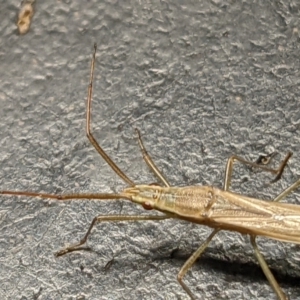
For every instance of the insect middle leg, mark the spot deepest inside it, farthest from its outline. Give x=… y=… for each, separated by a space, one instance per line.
x=230 y=162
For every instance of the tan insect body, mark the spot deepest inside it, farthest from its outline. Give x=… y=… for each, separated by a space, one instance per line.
x=222 y=209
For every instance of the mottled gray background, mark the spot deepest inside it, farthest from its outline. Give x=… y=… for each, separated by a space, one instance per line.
x=201 y=80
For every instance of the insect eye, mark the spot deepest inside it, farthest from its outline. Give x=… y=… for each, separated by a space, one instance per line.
x=147 y=206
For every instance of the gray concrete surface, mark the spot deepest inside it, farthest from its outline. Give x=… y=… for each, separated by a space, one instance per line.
x=201 y=80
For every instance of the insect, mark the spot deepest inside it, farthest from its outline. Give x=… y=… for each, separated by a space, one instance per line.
x=220 y=209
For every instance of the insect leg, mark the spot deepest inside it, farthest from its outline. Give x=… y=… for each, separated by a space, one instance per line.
x=99 y=219
x=88 y=127
x=259 y=256
x=188 y=264
x=229 y=168
x=274 y=284
x=149 y=160
x=287 y=191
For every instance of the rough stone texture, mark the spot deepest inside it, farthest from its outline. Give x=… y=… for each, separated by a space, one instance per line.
x=201 y=80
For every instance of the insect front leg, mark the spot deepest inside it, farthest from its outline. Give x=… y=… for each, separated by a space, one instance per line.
x=149 y=160
x=89 y=134
x=98 y=219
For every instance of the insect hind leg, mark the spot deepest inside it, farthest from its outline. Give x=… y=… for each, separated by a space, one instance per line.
x=191 y=260
x=229 y=168
x=270 y=277
x=287 y=191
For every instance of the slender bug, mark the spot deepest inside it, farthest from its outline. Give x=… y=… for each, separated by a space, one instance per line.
x=220 y=209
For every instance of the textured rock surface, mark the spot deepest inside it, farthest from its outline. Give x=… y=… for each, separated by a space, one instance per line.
x=201 y=81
